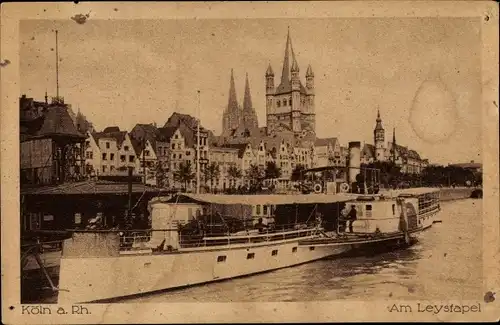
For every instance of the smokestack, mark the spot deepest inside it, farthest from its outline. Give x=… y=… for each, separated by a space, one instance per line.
x=354 y=161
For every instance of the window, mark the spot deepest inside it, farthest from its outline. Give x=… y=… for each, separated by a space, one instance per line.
x=178 y=146
x=311 y=248
x=174 y=156
x=257 y=209
x=180 y=156
x=123 y=158
x=173 y=146
x=131 y=158
x=368 y=207
x=250 y=256
x=176 y=136
x=221 y=259
x=125 y=148
x=294 y=250
x=111 y=156
x=279 y=103
x=104 y=169
x=264 y=207
x=274 y=252
x=107 y=145
x=104 y=156
x=112 y=168
x=188 y=153
x=393 y=209
x=90 y=154
x=147 y=153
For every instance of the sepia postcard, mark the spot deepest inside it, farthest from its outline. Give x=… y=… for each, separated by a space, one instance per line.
x=243 y=162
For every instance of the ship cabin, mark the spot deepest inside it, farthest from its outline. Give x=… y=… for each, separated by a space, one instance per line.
x=380 y=214
x=208 y=220
x=428 y=199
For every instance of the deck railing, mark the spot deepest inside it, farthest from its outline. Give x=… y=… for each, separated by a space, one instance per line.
x=137 y=240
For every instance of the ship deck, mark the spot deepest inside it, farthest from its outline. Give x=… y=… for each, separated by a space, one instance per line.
x=356 y=238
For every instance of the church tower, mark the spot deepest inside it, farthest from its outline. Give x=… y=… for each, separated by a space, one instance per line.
x=309 y=105
x=296 y=100
x=270 y=112
x=290 y=106
x=232 y=115
x=249 y=117
x=379 y=137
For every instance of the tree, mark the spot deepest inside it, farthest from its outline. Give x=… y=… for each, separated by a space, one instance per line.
x=161 y=175
x=255 y=174
x=211 y=172
x=272 y=171
x=234 y=173
x=184 y=173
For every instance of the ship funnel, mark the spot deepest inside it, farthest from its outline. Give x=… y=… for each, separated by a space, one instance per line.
x=354 y=161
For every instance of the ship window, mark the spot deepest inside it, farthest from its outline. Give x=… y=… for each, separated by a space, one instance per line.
x=250 y=256
x=221 y=258
x=274 y=252
x=294 y=250
x=311 y=248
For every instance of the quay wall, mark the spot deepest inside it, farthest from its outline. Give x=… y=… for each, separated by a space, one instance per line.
x=457 y=193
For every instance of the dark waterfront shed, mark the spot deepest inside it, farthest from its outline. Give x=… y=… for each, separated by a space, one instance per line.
x=71 y=205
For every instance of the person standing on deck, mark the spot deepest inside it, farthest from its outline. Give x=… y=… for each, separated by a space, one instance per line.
x=260 y=226
x=352 y=216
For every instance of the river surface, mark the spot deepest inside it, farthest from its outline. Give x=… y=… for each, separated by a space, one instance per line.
x=446 y=264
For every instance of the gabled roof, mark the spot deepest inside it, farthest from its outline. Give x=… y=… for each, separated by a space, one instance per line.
x=166 y=133
x=55 y=122
x=118 y=136
x=325 y=142
x=242 y=147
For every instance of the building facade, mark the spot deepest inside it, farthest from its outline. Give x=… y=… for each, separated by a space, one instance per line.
x=407 y=159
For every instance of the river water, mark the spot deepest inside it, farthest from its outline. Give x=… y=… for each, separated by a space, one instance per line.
x=445 y=264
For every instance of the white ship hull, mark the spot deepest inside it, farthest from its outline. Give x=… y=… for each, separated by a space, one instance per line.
x=91 y=279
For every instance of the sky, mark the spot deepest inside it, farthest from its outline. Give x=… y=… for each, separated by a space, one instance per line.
x=423 y=74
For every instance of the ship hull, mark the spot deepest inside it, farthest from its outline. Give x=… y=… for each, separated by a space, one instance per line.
x=103 y=278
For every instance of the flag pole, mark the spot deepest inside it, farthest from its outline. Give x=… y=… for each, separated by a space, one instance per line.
x=198 y=149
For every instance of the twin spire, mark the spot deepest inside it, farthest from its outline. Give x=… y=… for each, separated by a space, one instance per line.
x=232 y=104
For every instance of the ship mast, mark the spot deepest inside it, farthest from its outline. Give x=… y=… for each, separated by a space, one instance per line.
x=57 y=68
x=198 y=149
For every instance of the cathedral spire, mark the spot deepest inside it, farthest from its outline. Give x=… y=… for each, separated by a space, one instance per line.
x=285 y=74
x=247 y=100
x=378 y=126
x=232 y=104
x=295 y=66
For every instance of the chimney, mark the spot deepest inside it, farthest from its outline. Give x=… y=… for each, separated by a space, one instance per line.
x=354 y=161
